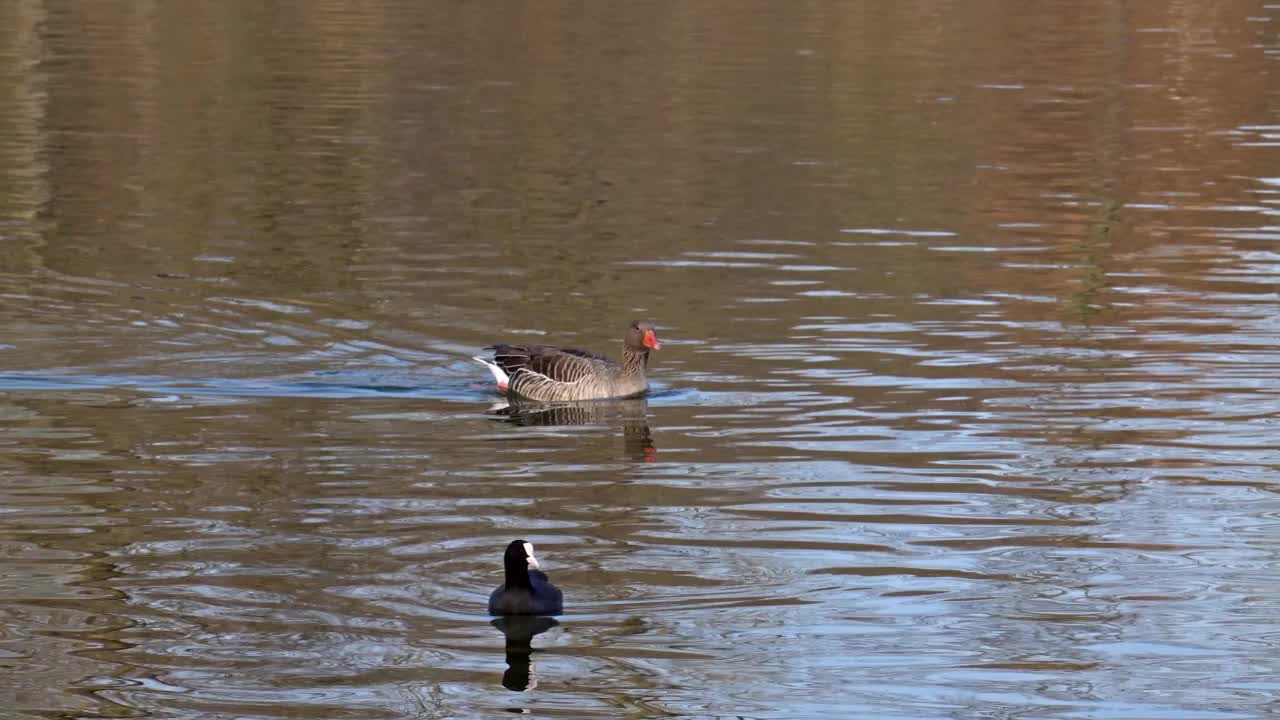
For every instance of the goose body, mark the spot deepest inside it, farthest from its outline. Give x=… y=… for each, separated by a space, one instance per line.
x=548 y=373
x=526 y=590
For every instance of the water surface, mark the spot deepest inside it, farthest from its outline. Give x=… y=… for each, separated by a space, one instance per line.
x=966 y=405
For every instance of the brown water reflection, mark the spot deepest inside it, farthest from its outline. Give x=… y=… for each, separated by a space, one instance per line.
x=966 y=405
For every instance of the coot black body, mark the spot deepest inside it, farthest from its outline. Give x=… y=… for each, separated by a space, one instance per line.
x=527 y=590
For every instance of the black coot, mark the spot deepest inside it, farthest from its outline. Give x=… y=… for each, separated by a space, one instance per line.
x=527 y=590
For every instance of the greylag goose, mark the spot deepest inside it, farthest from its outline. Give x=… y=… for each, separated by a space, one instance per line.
x=546 y=373
x=526 y=590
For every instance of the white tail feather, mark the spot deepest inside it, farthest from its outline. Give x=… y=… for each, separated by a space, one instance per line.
x=499 y=374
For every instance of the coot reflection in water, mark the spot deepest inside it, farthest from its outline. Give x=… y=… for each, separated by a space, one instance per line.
x=631 y=415
x=519 y=631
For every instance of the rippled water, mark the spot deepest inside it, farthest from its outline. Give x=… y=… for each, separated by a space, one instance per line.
x=967 y=403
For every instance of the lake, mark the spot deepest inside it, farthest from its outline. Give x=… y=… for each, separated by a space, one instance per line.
x=967 y=405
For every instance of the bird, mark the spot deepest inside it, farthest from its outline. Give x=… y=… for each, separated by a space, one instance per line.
x=546 y=373
x=527 y=590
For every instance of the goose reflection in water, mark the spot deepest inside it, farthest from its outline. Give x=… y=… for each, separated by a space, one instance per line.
x=632 y=414
x=519 y=630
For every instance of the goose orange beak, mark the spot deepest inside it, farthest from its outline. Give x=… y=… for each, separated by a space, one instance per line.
x=651 y=340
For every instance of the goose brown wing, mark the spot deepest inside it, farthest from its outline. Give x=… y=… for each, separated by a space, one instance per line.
x=567 y=366
x=583 y=354
x=511 y=357
x=554 y=363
